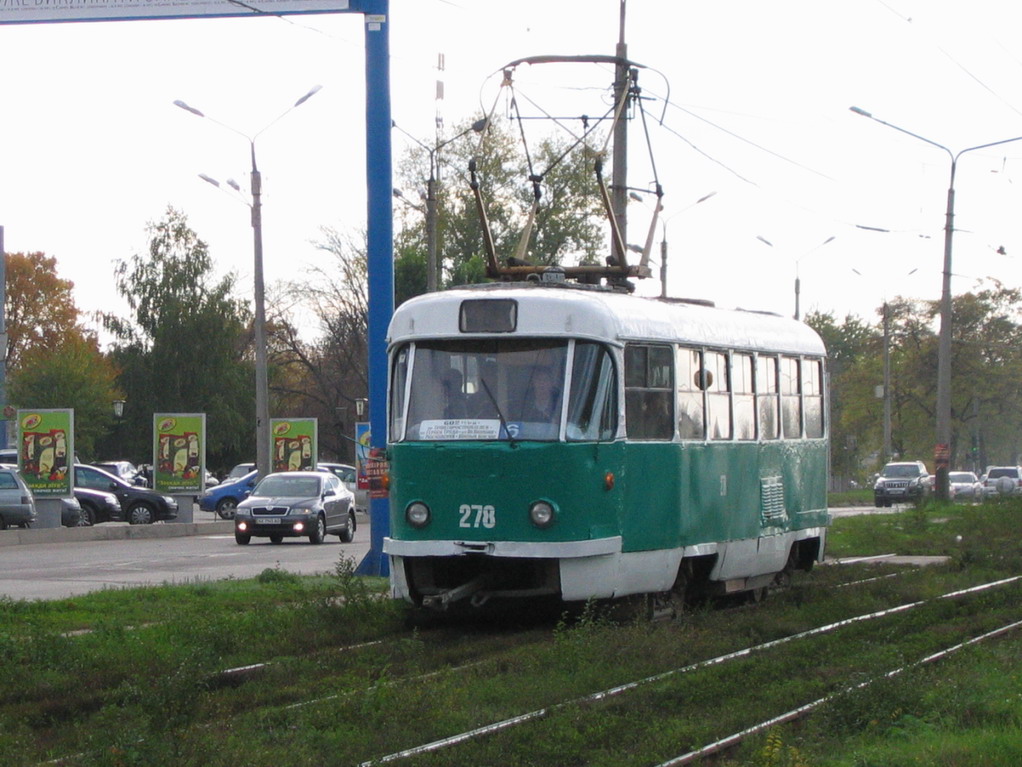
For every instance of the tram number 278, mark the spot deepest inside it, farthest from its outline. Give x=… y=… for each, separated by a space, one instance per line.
x=477 y=515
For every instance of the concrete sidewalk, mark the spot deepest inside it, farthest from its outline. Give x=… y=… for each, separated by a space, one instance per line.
x=114 y=531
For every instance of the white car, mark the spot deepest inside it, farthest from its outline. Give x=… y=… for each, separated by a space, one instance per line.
x=1002 y=480
x=965 y=486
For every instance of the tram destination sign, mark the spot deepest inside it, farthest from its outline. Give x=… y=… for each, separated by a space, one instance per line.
x=43 y=11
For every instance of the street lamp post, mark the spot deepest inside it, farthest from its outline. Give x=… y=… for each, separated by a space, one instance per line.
x=262 y=393
x=663 y=233
x=430 y=211
x=942 y=452
x=798 y=281
x=119 y=415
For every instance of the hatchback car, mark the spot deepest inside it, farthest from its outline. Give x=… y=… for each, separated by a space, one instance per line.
x=17 y=506
x=964 y=486
x=225 y=497
x=139 y=506
x=296 y=504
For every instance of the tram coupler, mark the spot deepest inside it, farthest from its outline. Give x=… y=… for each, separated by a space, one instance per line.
x=444 y=599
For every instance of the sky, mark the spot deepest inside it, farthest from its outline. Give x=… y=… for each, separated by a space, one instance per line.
x=92 y=147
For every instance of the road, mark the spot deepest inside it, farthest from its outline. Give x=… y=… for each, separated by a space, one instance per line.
x=59 y=570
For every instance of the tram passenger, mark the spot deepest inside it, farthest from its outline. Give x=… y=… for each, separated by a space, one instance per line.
x=455 y=404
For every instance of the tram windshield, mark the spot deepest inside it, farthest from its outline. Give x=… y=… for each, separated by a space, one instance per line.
x=492 y=389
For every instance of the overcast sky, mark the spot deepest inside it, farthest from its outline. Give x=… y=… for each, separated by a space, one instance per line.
x=92 y=148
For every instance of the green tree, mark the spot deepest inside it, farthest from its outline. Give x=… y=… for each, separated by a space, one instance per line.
x=567 y=228
x=74 y=375
x=187 y=346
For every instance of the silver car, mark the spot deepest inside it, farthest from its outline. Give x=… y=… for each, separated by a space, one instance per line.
x=17 y=506
x=296 y=504
x=965 y=486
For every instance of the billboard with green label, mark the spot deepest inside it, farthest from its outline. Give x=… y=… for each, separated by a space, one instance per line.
x=179 y=453
x=45 y=450
x=295 y=444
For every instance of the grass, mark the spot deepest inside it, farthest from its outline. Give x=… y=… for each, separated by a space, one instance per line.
x=136 y=676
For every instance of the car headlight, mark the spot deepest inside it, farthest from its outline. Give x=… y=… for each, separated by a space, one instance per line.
x=168 y=500
x=417 y=514
x=541 y=514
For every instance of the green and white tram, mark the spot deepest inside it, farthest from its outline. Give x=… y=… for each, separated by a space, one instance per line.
x=577 y=442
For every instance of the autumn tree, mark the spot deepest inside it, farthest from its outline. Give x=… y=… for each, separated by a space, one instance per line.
x=39 y=307
x=187 y=346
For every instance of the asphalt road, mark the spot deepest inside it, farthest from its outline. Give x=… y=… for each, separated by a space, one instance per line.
x=71 y=567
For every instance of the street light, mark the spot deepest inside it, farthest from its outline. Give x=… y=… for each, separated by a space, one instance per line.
x=888 y=448
x=942 y=452
x=433 y=262
x=262 y=384
x=798 y=282
x=119 y=415
x=663 y=235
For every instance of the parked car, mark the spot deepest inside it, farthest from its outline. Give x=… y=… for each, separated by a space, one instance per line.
x=70 y=512
x=349 y=476
x=17 y=506
x=293 y=504
x=225 y=497
x=97 y=506
x=1002 y=480
x=901 y=481
x=139 y=506
x=965 y=486
x=239 y=471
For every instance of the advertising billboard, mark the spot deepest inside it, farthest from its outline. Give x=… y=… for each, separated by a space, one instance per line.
x=46 y=450
x=179 y=453
x=294 y=444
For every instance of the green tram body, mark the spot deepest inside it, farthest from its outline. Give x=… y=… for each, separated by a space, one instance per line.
x=638 y=507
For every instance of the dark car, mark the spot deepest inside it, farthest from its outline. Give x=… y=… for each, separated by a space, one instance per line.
x=17 y=506
x=296 y=504
x=901 y=481
x=139 y=506
x=97 y=506
x=71 y=512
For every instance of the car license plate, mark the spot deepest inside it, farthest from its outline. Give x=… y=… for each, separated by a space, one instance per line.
x=268 y=521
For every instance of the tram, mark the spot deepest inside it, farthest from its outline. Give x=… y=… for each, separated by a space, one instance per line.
x=577 y=442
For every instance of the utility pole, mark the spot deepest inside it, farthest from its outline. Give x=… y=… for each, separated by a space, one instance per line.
x=619 y=193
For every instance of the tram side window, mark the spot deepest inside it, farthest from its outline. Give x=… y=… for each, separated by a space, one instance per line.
x=649 y=391
x=791 y=398
x=812 y=396
x=592 y=403
x=399 y=376
x=767 y=406
x=690 y=394
x=744 y=399
x=718 y=395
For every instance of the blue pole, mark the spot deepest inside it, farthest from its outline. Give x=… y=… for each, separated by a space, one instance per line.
x=380 y=255
x=3 y=340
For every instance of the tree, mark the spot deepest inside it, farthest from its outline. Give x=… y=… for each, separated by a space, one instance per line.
x=323 y=379
x=567 y=227
x=187 y=346
x=39 y=306
x=74 y=375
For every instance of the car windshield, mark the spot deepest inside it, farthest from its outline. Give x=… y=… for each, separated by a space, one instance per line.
x=291 y=487
x=961 y=476
x=1004 y=472
x=898 y=471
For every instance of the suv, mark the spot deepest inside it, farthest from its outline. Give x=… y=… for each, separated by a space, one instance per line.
x=139 y=506
x=906 y=481
x=1002 y=480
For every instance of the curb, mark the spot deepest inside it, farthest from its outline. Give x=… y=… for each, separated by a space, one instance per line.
x=114 y=532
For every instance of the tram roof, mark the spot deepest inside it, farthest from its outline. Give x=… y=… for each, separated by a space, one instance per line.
x=558 y=311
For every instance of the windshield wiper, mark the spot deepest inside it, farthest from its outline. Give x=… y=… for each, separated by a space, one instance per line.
x=500 y=415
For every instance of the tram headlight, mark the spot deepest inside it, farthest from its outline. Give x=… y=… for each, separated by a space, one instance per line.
x=417 y=513
x=541 y=514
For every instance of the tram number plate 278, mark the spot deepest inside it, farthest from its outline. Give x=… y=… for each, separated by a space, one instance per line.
x=477 y=515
